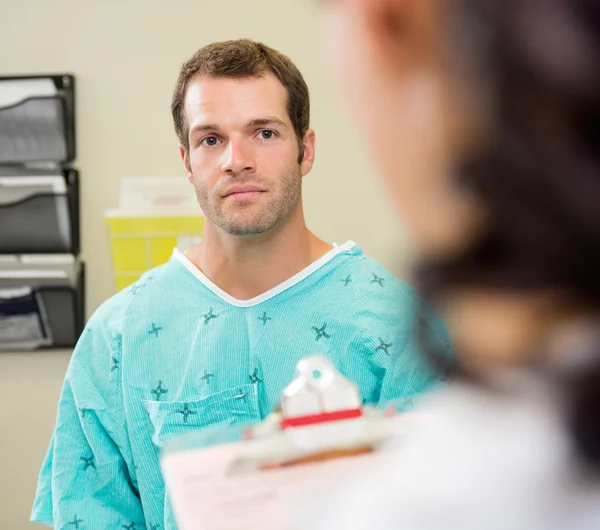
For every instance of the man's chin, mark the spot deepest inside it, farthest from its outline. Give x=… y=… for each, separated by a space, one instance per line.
x=244 y=227
x=246 y=231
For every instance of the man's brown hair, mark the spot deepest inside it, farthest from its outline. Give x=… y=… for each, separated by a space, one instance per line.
x=238 y=59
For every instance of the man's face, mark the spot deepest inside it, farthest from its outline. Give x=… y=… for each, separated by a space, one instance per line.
x=243 y=152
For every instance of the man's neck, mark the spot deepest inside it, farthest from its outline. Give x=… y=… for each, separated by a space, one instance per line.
x=246 y=267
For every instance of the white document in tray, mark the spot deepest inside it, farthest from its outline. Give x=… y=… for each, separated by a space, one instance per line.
x=13 y=189
x=206 y=496
x=33 y=269
x=13 y=91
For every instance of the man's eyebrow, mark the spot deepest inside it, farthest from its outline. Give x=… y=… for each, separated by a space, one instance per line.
x=263 y=122
x=203 y=127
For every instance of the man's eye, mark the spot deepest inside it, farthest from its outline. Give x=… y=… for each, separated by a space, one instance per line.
x=266 y=134
x=210 y=141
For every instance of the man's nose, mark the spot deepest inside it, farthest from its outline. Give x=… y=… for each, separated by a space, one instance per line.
x=238 y=158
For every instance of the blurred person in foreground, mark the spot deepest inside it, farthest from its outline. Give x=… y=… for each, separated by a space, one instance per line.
x=484 y=119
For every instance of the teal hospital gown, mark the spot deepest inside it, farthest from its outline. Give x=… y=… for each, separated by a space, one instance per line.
x=174 y=353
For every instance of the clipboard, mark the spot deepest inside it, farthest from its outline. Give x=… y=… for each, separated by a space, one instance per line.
x=321 y=430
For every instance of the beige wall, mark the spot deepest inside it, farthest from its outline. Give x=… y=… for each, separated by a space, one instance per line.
x=125 y=55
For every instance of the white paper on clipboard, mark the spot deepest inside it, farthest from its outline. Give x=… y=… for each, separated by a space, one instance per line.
x=320 y=433
x=205 y=496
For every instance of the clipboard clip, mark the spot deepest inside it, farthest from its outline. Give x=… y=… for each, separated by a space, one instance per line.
x=320 y=417
x=318 y=394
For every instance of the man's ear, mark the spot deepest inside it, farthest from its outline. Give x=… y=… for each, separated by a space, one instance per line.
x=308 y=150
x=186 y=161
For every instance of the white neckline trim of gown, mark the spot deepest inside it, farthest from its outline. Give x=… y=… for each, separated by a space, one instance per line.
x=304 y=273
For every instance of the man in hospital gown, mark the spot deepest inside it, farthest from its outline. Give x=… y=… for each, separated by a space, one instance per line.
x=211 y=338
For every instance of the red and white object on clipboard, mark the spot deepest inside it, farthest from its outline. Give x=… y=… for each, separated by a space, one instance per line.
x=321 y=430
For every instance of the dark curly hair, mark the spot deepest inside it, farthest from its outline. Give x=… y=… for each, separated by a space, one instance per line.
x=538 y=173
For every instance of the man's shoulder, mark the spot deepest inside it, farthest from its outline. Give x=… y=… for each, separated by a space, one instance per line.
x=383 y=299
x=372 y=280
x=111 y=313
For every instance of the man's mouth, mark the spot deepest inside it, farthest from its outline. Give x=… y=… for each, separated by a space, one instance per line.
x=243 y=193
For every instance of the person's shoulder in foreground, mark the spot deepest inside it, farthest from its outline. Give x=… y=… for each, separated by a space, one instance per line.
x=513 y=434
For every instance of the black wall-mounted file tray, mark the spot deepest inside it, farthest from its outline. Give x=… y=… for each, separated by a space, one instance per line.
x=62 y=307
x=36 y=222
x=41 y=276
x=37 y=119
